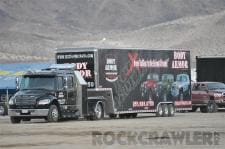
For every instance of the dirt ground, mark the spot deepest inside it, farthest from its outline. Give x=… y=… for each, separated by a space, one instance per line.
x=185 y=130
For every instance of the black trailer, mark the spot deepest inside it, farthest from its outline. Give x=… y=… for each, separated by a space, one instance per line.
x=134 y=80
x=210 y=68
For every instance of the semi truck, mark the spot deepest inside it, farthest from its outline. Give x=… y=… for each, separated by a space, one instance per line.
x=210 y=68
x=93 y=83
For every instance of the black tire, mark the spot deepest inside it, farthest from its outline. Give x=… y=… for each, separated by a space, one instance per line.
x=165 y=110
x=171 y=110
x=159 y=111
x=211 y=106
x=194 y=109
x=53 y=114
x=15 y=120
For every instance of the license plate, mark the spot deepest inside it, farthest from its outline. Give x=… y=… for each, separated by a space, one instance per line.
x=24 y=111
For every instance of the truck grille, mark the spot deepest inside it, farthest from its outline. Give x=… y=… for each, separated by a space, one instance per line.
x=25 y=100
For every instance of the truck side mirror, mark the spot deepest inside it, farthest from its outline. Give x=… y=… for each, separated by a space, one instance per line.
x=17 y=83
x=65 y=86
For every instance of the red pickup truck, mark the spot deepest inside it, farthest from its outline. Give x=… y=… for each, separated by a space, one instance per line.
x=209 y=96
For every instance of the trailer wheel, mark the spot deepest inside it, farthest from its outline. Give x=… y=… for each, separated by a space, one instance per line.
x=15 y=120
x=159 y=111
x=165 y=110
x=171 y=110
x=53 y=114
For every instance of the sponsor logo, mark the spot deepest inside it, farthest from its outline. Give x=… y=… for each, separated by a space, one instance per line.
x=111 y=69
x=144 y=63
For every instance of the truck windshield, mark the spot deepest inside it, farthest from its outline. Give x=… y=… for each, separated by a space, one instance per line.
x=38 y=82
x=215 y=86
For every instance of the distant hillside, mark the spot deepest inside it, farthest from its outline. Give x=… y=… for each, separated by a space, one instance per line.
x=30 y=30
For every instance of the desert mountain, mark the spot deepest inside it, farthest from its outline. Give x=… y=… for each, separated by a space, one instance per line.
x=30 y=30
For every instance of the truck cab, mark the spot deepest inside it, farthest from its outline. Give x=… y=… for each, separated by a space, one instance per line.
x=54 y=93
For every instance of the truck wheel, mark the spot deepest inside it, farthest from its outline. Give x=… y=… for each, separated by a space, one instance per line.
x=53 y=114
x=15 y=120
x=159 y=111
x=165 y=110
x=171 y=110
x=211 y=106
x=112 y=116
x=99 y=112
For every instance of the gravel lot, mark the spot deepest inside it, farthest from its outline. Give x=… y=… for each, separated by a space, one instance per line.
x=198 y=130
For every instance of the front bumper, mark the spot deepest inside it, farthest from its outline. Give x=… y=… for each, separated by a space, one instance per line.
x=28 y=112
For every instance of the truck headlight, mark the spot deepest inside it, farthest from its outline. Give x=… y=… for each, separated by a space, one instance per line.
x=44 y=102
x=11 y=101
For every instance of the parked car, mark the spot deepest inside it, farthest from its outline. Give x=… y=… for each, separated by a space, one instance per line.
x=148 y=87
x=164 y=87
x=209 y=96
x=181 y=87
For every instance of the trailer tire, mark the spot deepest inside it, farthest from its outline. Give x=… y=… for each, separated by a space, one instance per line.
x=171 y=110
x=165 y=110
x=53 y=114
x=159 y=111
x=15 y=120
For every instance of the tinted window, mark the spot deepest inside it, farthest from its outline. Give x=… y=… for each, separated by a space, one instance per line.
x=60 y=83
x=70 y=82
x=215 y=86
